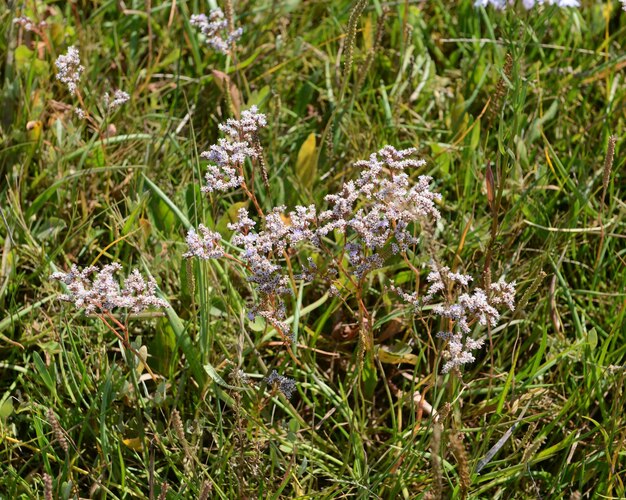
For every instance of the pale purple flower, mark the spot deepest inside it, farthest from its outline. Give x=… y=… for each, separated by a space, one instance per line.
x=246 y=127
x=458 y=351
x=440 y=276
x=28 y=24
x=475 y=306
x=528 y=4
x=244 y=223
x=102 y=292
x=69 y=69
x=215 y=29
x=479 y=306
x=119 y=97
x=303 y=226
x=259 y=249
x=309 y=270
x=227 y=153
x=410 y=298
x=205 y=245
x=388 y=203
x=503 y=293
x=230 y=153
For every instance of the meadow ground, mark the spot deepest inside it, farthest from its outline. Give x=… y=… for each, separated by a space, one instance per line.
x=315 y=378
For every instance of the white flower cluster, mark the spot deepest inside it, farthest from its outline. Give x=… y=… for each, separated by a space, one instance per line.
x=215 y=29
x=261 y=249
x=102 y=292
x=478 y=306
x=205 y=245
x=388 y=203
x=119 y=97
x=375 y=211
x=528 y=4
x=229 y=154
x=69 y=69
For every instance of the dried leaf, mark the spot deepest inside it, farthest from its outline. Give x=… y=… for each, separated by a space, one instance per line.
x=306 y=164
x=133 y=443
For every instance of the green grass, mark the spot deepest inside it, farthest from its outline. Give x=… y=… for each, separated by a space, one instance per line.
x=69 y=194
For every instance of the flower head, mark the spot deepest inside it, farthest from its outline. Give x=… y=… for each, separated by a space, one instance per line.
x=98 y=291
x=528 y=4
x=205 y=245
x=28 y=24
x=388 y=203
x=285 y=385
x=230 y=153
x=69 y=69
x=246 y=127
x=119 y=98
x=215 y=29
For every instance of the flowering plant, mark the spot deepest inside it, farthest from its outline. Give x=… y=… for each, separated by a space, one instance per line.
x=369 y=221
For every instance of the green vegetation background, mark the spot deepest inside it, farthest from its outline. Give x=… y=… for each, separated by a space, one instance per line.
x=553 y=373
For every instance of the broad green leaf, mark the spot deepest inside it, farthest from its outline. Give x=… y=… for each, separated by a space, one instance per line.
x=164 y=217
x=258 y=97
x=25 y=59
x=6 y=409
x=475 y=135
x=369 y=376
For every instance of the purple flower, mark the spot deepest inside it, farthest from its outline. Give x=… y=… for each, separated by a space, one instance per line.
x=102 y=292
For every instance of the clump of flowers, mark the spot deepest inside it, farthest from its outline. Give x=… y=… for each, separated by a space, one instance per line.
x=285 y=385
x=377 y=216
x=475 y=307
x=230 y=153
x=205 y=245
x=388 y=203
x=528 y=4
x=98 y=291
x=29 y=25
x=215 y=29
x=69 y=69
x=119 y=97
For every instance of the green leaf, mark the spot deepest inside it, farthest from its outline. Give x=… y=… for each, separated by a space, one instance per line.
x=25 y=59
x=210 y=369
x=475 y=135
x=42 y=369
x=369 y=376
x=164 y=345
x=592 y=338
x=164 y=217
x=6 y=409
x=258 y=97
